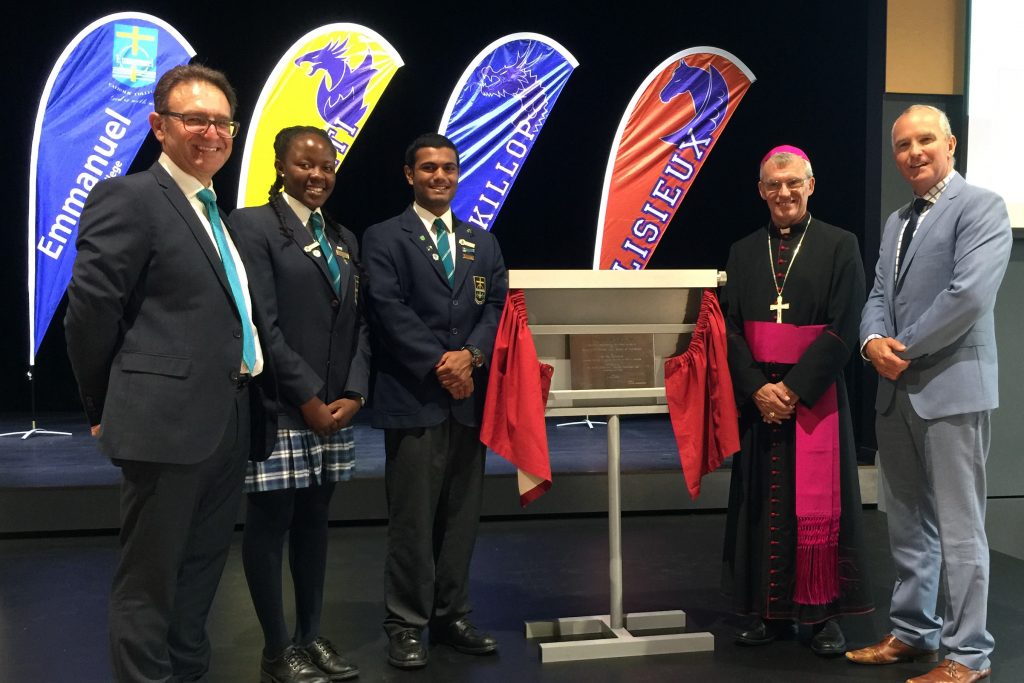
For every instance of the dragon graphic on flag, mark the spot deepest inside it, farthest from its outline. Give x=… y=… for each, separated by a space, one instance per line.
x=340 y=98
x=331 y=78
x=494 y=115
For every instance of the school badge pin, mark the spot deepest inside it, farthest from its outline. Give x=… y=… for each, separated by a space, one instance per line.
x=479 y=289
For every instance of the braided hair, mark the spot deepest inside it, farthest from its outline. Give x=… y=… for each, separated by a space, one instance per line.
x=282 y=141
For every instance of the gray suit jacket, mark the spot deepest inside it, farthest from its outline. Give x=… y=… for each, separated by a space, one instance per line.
x=153 y=335
x=941 y=306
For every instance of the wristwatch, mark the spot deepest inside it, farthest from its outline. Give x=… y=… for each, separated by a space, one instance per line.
x=355 y=396
x=478 y=357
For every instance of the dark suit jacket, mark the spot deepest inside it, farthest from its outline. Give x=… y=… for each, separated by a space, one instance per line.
x=941 y=306
x=153 y=335
x=320 y=340
x=417 y=317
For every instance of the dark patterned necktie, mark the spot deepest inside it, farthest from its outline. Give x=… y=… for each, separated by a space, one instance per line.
x=444 y=250
x=920 y=206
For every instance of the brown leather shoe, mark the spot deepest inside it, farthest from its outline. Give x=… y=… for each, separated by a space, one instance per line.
x=951 y=672
x=891 y=650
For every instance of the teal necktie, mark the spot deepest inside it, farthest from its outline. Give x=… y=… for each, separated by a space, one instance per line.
x=317 y=224
x=444 y=250
x=209 y=200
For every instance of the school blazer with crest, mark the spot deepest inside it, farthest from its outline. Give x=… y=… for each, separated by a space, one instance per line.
x=416 y=317
x=319 y=339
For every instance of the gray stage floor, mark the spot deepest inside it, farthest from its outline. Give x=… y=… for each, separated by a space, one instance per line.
x=48 y=461
x=53 y=606
x=61 y=483
x=53 y=588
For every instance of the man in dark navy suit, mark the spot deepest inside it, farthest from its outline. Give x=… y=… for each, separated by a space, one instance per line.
x=162 y=337
x=436 y=288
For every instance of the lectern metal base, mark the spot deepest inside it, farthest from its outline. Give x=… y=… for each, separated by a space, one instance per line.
x=613 y=642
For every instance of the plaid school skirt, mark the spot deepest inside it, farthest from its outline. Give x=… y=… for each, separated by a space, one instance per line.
x=301 y=459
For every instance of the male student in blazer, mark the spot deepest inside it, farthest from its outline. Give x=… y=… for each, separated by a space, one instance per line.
x=928 y=330
x=163 y=341
x=436 y=289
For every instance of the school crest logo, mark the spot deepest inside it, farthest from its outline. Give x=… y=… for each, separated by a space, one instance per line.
x=135 y=50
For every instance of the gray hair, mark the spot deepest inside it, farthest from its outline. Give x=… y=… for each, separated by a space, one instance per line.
x=784 y=159
x=944 y=126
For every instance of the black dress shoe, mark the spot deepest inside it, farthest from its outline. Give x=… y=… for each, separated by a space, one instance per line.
x=292 y=666
x=762 y=632
x=406 y=651
x=327 y=659
x=464 y=637
x=829 y=640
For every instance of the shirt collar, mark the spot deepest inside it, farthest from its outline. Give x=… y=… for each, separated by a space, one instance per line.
x=302 y=211
x=189 y=185
x=933 y=194
x=794 y=230
x=428 y=218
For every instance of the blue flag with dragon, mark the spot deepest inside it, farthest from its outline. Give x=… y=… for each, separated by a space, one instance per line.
x=495 y=114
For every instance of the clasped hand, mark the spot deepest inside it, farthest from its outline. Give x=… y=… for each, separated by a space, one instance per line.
x=455 y=373
x=326 y=419
x=776 y=402
x=882 y=351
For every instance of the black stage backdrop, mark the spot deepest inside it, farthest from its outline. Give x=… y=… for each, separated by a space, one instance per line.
x=820 y=82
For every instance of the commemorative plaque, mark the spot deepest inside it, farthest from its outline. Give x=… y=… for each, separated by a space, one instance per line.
x=611 y=361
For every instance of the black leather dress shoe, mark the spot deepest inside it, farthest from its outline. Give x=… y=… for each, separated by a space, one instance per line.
x=829 y=640
x=762 y=632
x=292 y=666
x=406 y=651
x=464 y=637
x=322 y=653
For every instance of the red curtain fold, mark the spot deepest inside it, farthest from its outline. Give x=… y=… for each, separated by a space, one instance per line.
x=513 y=423
x=698 y=389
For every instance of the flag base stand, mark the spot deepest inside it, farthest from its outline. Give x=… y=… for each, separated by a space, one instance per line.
x=585 y=638
x=585 y=421
x=35 y=431
x=613 y=633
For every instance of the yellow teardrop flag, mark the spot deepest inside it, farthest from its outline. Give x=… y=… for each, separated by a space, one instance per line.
x=331 y=78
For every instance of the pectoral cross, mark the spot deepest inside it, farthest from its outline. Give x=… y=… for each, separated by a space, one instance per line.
x=778 y=307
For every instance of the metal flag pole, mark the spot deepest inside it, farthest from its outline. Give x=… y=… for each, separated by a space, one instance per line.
x=34 y=431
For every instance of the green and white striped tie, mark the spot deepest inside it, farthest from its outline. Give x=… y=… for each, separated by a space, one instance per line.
x=444 y=250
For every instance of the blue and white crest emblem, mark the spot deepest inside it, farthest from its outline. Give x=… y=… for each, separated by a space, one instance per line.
x=135 y=50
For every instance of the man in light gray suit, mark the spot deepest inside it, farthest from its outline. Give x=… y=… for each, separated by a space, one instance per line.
x=928 y=331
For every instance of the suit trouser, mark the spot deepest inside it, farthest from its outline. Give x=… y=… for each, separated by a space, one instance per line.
x=935 y=487
x=176 y=528
x=434 y=480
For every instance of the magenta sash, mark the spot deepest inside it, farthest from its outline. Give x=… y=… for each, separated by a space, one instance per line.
x=818 y=504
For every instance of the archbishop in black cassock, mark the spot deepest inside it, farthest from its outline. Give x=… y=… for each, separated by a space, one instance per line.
x=799 y=271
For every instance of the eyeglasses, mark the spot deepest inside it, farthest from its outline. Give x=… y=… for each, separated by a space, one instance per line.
x=776 y=185
x=198 y=124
